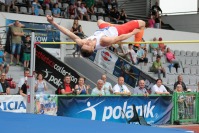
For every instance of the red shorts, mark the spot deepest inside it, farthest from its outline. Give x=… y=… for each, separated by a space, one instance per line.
x=123 y=28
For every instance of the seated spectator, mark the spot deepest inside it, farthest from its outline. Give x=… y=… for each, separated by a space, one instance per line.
x=81 y=88
x=22 y=91
x=24 y=87
x=114 y=15
x=107 y=86
x=66 y=87
x=47 y=3
x=154 y=48
x=151 y=22
x=90 y=6
x=83 y=12
x=56 y=11
x=77 y=29
x=122 y=51
x=158 y=68
x=108 y=6
x=161 y=46
x=171 y=59
x=140 y=90
x=26 y=51
x=123 y=16
x=120 y=88
x=180 y=100
x=158 y=88
x=10 y=5
x=157 y=22
x=114 y=3
x=141 y=56
x=35 y=7
x=180 y=81
x=72 y=12
x=131 y=56
x=90 y=10
x=3 y=65
x=40 y=84
x=4 y=87
x=99 y=90
x=156 y=9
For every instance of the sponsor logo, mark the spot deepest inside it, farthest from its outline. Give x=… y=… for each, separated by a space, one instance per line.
x=106 y=56
x=12 y=105
x=114 y=112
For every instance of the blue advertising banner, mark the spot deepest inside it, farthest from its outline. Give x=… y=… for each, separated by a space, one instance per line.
x=157 y=109
x=44 y=32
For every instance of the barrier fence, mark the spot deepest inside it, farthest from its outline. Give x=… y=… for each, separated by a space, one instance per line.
x=176 y=108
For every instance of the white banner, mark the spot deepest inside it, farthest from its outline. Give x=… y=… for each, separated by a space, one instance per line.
x=106 y=60
x=13 y=103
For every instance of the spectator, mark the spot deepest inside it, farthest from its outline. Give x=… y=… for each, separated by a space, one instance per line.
x=122 y=51
x=107 y=86
x=158 y=88
x=114 y=3
x=47 y=4
x=120 y=88
x=114 y=15
x=81 y=88
x=181 y=101
x=108 y=6
x=35 y=7
x=131 y=55
x=23 y=91
x=17 y=33
x=90 y=6
x=141 y=56
x=123 y=16
x=4 y=87
x=158 y=68
x=90 y=10
x=77 y=29
x=72 y=12
x=83 y=12
x=40 y=84
x=154 y=48
x=27 y=51
x=66 y=87
x=140 y=90
x=56 y=11
x=157 y=22
x=171 y=59
x=10 y=5
x=151 y=22
x=180 y=81
x=156 y=9
x=161 y=46
x=99 y=90
x=3 y=65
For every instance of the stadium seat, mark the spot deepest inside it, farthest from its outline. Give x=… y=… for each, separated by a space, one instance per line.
x=187 y=70
x=95 y=9
x=193 y=71
x=65 y=5
x=171 y=80
x=177 y=53
x=194 y=61
x=188 y=61
x=59 y=5
x=100 y=17
x=194 y=53
x=173 y=70
x=180 y=71
x=41 y=12
x=192 y=80
x=197 y=71
x=48 y=12
x=19 y=1
x=186 y=80
x=182 y=59
x=198 y=53
x=93 y=18
x=165 y=81
x=145 y=69
x=29 y=10
x=23 y=10
x=107 y=19
x=182 y=53
x=188 y=53
x=101 y=10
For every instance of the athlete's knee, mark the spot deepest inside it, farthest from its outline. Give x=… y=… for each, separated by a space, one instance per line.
x=141 y=23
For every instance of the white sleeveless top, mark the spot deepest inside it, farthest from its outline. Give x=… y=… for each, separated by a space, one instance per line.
x=108 y=31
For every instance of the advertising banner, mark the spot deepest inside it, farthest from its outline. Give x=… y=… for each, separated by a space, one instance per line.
x=46 y=104
x=13 y=103
x=157 y=110
x=53 y=69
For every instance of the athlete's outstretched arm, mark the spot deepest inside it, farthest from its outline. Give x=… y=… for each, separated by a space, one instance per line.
x=63 y=30
x=108 y=41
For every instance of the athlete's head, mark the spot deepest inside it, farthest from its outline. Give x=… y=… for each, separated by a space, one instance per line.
x=87 y=48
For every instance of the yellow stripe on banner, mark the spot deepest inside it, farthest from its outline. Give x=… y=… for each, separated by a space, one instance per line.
x=147 y=42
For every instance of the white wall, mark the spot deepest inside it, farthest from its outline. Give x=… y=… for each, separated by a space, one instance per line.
x=183 y=22
x=90 y=27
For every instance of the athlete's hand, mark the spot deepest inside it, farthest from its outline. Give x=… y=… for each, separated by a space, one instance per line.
x=49 y=18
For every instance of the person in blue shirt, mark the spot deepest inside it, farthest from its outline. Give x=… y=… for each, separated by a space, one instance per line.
x=56 y=11
x=35 y=7
x=141 y=56
x=81 y=88
x=3 y=65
